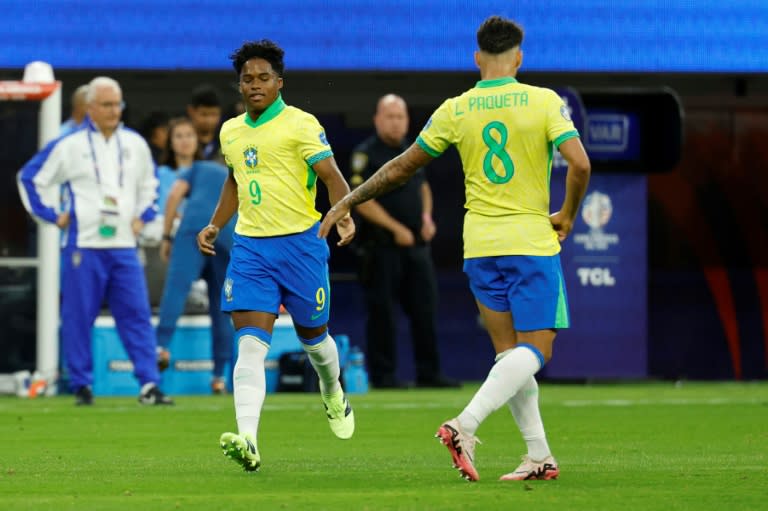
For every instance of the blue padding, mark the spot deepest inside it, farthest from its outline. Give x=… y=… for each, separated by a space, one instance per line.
x=535 y=351
x=257 y=332
x=316 y=340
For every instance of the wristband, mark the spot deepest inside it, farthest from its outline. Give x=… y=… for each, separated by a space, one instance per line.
x=167 y=237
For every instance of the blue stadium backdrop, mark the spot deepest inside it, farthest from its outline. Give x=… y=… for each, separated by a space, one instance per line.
x=424 y=35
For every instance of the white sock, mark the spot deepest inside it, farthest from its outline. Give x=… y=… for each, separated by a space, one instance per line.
x=511 y=371
x=525 y=409
x=250 y=385
x=324 y=357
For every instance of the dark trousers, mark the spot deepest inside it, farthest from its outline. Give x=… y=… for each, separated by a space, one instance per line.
x=406 y=275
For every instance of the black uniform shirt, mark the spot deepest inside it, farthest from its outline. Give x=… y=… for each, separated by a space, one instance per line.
x=403 y=203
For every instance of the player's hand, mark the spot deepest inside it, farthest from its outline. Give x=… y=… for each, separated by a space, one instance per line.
x=206 y=238
x=404 y=237
x=62 y=221
x=562 y=224
x=165 y=250
x=334 y=214
x=428 y=227
x=346 y=229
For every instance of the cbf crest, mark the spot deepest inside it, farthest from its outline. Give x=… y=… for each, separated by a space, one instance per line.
x=251 y=156
x=228 y=283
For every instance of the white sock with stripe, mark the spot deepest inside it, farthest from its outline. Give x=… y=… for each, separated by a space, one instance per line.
x=249 y=384
x=525 y=409
x=511 y=371
x=324 y=357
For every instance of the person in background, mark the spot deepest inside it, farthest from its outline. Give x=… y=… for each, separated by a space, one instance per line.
x=78 y=111
x=204 y=109
x=193 y=184
x=154 y=129
x=108 y=172
x=396 y=262
x=505 y=132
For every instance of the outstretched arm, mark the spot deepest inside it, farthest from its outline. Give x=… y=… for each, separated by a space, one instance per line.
x=330 y=175
x=394 y=173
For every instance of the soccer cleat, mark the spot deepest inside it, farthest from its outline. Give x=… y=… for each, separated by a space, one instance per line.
x=341 y=418
x=242 y=450
x=531 y=470
x=163 y=359
x=152 y=395
x=84 y=396
x=461 y=447
x=218 y=386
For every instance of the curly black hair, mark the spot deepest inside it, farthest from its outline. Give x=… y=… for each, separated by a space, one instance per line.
x=498 y=34
x=263 y=49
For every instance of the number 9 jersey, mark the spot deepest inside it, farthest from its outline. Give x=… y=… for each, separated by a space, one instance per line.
x=506 y=133
x=272 y=160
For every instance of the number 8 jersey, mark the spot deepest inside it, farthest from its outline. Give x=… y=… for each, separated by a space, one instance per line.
x=272 y=160
x=506 y=133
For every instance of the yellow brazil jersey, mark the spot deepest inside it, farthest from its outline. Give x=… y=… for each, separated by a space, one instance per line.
x=272 y=162
x=505 y=132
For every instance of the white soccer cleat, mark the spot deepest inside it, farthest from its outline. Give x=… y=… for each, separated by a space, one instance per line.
x=529 y=469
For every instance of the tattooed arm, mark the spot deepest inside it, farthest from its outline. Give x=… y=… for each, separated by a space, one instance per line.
x=393 y=174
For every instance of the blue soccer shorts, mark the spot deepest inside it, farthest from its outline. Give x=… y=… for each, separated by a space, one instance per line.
x=531 y=287
x=291 y=270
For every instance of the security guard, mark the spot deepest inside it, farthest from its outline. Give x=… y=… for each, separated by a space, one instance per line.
x=395 y=260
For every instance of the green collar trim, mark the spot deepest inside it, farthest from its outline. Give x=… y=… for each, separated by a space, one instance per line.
x=495 y=82
x=267 y=115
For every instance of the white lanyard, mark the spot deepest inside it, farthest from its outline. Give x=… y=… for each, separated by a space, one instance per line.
x=96 y=162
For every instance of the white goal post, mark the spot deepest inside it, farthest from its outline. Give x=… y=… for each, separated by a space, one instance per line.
x=38 y=84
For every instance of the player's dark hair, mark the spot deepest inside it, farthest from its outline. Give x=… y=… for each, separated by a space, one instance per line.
x=204 y=95
x=263 y=49
x=497 y=35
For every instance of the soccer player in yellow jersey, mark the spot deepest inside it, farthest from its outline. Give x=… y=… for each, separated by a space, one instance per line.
x=505 y=133
x=275 y=154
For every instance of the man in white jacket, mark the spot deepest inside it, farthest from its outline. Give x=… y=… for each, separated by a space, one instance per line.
x=108 y=178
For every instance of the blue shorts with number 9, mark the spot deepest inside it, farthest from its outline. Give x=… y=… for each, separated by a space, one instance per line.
x=531 y=287
x=291 y=270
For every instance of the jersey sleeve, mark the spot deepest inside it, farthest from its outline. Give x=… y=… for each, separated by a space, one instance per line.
x=38 y=177
x=559 y=124
x=313 y=144
x=438 y=133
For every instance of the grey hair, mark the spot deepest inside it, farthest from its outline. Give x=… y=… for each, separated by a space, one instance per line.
x=81 y=93
x=101 y=82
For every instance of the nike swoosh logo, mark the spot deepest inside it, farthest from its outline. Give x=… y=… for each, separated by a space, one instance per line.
x=315 y=316
x=231 y=140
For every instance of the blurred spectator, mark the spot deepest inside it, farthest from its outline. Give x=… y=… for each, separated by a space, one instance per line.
x=78 y=112
x=204 y=109
x=109 y=174
x=154 y=129
x=180 y=150
x=197 y=183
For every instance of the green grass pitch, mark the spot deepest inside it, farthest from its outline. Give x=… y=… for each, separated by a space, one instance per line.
x=655 y=446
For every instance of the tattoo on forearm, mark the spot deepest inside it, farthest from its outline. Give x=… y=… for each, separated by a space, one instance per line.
x=391 y=175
